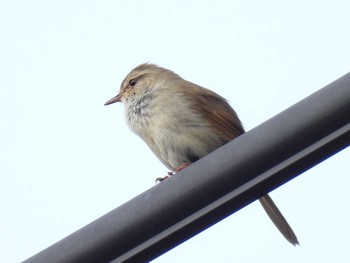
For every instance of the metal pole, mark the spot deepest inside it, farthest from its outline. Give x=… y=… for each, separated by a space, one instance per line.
x=217 y=185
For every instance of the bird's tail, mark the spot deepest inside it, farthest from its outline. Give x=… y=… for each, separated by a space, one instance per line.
x=278 y=219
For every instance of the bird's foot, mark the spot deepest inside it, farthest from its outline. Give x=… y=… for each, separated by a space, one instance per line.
x=162 y=178
x=170 y=174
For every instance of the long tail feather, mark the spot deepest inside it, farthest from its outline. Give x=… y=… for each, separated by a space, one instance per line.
x=278 y=219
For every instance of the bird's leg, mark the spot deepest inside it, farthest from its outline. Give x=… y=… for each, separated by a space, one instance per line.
x=178 y=169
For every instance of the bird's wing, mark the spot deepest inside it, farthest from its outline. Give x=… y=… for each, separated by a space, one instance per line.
x=217 y=110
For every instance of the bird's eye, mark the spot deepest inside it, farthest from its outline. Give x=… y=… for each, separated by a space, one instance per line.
x=132 y=82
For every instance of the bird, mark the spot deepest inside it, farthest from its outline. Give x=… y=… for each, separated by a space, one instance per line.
x=181 y=122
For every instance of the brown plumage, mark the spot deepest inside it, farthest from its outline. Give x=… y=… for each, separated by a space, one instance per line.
x=181 y=122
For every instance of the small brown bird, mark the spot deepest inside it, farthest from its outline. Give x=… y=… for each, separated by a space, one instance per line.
x=182 y=122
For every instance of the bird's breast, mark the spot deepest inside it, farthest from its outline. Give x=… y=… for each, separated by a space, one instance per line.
x=175 y=134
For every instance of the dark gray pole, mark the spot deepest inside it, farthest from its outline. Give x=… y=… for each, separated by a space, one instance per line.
x=217 y=185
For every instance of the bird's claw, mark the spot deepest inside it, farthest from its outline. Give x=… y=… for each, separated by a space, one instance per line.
x=170 y=174
x=162 y=178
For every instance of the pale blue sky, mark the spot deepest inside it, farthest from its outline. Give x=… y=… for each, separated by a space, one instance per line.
x=65 y=159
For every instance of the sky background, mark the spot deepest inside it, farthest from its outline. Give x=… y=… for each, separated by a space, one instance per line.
x=66 y=160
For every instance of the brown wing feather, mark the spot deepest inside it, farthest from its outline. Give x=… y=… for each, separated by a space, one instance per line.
x=217 y=110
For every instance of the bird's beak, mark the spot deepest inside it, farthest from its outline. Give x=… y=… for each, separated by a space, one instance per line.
x=114 y=99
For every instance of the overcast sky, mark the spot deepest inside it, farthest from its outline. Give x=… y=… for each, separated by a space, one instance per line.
x=65 y=159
